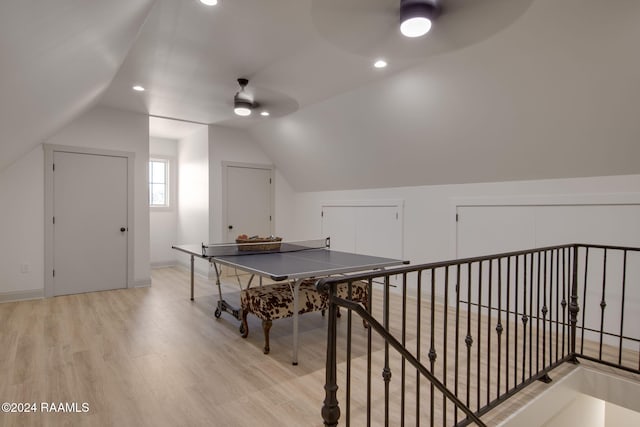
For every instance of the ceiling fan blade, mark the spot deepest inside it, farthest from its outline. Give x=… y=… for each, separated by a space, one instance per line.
x=371 y=27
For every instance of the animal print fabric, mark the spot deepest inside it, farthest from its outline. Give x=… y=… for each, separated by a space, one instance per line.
x=275 y=301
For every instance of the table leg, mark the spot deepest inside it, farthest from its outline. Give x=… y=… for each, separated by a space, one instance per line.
x=191 y=277
x=296 y=289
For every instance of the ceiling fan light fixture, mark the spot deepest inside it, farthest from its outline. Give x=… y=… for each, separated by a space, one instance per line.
x=242 y=107
x=416 y=17
x=209 y=2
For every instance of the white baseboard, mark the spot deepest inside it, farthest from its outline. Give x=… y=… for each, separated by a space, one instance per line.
x=163 y=264
x=142 y=283
x=21 y=295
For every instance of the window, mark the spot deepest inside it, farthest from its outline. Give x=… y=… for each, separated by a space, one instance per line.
x=159 y=183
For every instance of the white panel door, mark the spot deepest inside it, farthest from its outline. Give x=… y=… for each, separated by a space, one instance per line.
x=487 y=230
x=248 y=202
x=339 y=223
x=379 y=231
x=90 y=229
x=596 y=224
x=368 y=230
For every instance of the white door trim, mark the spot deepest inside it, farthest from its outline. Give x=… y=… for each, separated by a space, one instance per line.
x=49 y=150
x=225 y=166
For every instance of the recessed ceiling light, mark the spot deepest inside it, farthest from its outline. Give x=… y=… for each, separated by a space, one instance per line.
x=264 y=113
x=209 y=2
x=380 y=63
x=138 y=88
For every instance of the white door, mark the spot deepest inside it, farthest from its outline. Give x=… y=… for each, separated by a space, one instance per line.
x=248 y=201
x=363 y=229
x=90 y=223
x=339 y=223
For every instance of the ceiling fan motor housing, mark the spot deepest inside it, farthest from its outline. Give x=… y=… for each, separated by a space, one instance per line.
x=417 y=8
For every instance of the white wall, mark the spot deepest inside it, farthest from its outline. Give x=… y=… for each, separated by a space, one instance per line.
x=193 y=194
x=429 y=214
x=22 y=227
x=163 y=222
x=112 y=129
x=22 y=195
x=585 y=397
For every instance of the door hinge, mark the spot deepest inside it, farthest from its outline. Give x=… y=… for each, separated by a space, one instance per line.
x=54 y=166
x=269 y=180
x=457 y=217
x=397 y=216
x=269 y=217
x=54 y=219
x=321 y=214
x=54 y=273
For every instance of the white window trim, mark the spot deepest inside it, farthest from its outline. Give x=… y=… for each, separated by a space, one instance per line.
x=173 y=180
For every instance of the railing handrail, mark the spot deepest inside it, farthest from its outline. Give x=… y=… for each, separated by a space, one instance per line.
x=372 y=322
x=324 y=283
x=548 y=277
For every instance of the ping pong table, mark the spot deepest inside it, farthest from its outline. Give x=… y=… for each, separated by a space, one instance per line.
x=292 y=261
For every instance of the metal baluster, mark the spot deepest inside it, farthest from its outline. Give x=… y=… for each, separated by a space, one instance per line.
x=573 y=304
x=538 y=314
x=369 y=352
x=404 y=343
x=565 y=273
x=584 y=295
x=479 y=330
x=525 y=318
x=330 y=408
x=557 y=301
x=348 y=372
x=468 y=339
x=544 y=311
x=386 y=371
x=603 y=301
x=489 y=349
x=499 y=325
x=444 y=341
x=530 y=315
x=624 y=284
x=432 y=348
x=506 y=346
x=418 y=345
x=456 y=353
x=515 y=324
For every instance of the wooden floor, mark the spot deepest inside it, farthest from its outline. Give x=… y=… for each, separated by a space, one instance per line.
x=152 y=357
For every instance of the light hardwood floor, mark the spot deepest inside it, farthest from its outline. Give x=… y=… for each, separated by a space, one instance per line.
x=152 y=357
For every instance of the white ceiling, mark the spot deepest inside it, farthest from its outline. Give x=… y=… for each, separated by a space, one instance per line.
x=499 y=90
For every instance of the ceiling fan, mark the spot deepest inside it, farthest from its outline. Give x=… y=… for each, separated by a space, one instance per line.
x=243 y=103
x=373 y=28
x=253 y=99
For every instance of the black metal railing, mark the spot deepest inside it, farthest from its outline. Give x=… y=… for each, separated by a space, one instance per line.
x=452 y=340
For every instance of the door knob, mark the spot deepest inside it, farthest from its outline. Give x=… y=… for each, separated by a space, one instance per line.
x=122 y=229
x=231 y=227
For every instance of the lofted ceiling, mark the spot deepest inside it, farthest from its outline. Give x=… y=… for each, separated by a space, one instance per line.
x=499 y=90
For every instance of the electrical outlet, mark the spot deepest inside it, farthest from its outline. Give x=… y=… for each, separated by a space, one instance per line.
x=25 y=268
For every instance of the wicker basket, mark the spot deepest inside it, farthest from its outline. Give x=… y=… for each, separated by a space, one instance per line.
x=259 y=244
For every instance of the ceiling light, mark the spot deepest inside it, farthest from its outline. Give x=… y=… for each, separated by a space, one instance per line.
x=242 y=107
x=242 y=103
x=138 y=88
x=265 y=113
x=380 y=63
x=415 y=17
x=209 y=2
